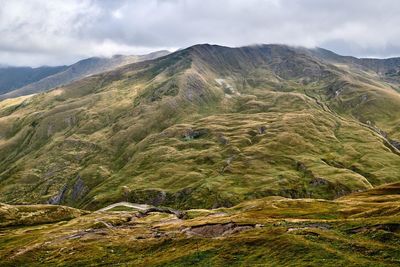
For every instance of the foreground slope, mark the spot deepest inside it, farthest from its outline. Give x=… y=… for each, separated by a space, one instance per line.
x=207 y=126
x=358 y=230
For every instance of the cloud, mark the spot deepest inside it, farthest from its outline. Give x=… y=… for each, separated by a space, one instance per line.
x=36 y=32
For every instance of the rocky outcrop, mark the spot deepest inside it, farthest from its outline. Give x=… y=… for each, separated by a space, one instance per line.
x=395 y=143
x=318 y=181
x=389 y=227
x=57 y=199
x=79 y=189
x=191 y=134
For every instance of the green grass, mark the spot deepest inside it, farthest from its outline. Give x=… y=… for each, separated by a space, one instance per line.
x=293 y=233
x=122 y=135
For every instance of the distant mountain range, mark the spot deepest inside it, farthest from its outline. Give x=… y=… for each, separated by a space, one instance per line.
x=388 y=68
x=12 y=78
x=19 y=81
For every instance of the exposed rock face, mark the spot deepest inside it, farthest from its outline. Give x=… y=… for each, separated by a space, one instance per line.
x=262 y=130
x=79 y=189
x=57 y=199
x=389 y=227
x=194 y=134
x=301 y=167
x=318 y=181
x=395 y=143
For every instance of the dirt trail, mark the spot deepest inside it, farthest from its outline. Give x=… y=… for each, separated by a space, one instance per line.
x=142 y=207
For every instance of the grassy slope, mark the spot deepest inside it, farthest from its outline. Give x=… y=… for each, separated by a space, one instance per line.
x=170 y=132
x=35 y=214
x=360 y=229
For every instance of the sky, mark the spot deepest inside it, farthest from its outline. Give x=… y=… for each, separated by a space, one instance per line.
x=57 y=32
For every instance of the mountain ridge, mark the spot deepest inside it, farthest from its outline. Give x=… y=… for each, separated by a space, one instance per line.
x=231 y=124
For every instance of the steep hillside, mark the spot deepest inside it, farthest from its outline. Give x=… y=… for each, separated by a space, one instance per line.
x=368 y=92
x=204 y=127
x=12 y=78
x=74 y=72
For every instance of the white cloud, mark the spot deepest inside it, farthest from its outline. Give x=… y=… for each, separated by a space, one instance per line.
x=35 y=32
x=117 y=14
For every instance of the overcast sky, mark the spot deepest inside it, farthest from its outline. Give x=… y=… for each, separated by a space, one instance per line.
x=55 y=32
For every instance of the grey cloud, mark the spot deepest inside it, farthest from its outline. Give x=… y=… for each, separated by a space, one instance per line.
x=53 y=32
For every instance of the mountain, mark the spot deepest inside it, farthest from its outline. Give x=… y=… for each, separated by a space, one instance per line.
x=12 y=78
x=205 y=127
x=45 y=78
x=209 y=156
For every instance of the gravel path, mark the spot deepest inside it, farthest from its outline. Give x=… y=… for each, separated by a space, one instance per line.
x=142 y=207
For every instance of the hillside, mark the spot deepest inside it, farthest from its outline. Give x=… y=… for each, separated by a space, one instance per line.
x=204 y=127
x=360 y=229
x=27 y=85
